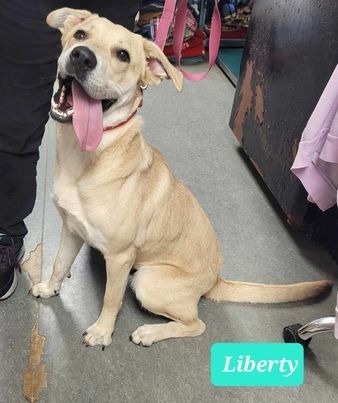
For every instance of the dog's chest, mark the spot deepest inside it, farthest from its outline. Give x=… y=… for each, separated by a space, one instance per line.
x=71 y=165
x=70 y=208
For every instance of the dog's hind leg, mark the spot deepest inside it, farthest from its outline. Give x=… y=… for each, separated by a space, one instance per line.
x=70 y=246
x=168 y=292
x=146 y=335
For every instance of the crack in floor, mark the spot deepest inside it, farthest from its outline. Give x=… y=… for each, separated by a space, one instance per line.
x=32 y=264
x=35 y=376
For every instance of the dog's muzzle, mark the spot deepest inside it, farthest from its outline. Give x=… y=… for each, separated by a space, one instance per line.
x=82 y=60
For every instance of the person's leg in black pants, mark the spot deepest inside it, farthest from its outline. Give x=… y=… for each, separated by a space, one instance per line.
x=29 y=52
x=121 y=12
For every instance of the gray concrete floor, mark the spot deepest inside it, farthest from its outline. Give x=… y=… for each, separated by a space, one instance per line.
x=191 y=130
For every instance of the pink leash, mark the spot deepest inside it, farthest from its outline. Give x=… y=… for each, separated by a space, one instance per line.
x=179 y=28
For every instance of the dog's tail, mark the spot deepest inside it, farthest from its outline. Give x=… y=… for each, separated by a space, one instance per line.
x=237 y=291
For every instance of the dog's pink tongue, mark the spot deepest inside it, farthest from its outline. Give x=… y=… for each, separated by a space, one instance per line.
x=87 y=118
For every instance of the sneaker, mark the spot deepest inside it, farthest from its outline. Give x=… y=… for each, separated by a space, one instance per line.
x=11 y=252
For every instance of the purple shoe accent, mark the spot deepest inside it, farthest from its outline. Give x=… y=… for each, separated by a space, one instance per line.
x=11 y=252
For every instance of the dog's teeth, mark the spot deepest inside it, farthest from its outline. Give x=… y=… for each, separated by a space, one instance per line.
x=62 y=95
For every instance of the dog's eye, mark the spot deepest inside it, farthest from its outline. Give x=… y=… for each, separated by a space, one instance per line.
x=80 y=34
x=123 y=55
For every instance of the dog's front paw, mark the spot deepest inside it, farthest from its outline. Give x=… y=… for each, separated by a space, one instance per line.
x=97 y=335
x=43 y=290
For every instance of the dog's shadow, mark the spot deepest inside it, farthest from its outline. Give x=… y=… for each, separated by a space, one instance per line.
x=97 y=269
x=91 y=272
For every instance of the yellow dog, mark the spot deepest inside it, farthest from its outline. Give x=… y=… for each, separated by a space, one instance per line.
x=120 y=196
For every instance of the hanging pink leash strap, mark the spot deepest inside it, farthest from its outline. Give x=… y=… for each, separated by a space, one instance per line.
x=179 y=29
x=166 y=18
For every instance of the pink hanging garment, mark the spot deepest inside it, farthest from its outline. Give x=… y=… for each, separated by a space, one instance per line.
x=316 y=162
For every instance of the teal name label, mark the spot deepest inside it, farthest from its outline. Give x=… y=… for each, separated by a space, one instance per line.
x=257 y=364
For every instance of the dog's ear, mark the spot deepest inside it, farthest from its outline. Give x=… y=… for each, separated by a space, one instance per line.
x=66 y=18
x=159 y=67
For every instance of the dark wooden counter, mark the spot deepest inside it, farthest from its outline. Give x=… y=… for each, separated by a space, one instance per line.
x=291 y=51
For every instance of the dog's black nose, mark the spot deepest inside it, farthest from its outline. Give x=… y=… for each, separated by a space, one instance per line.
x=83 y=59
